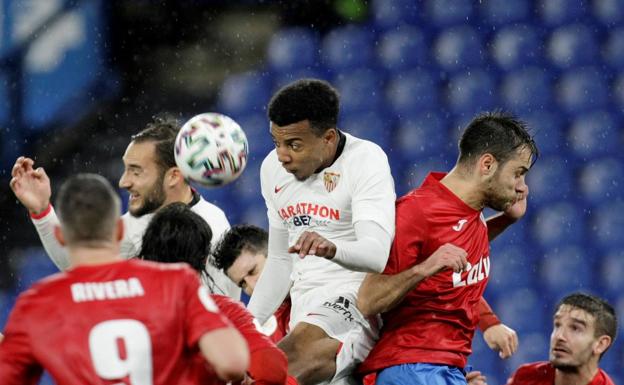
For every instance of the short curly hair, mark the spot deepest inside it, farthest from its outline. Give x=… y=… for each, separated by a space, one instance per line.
x=236 y=240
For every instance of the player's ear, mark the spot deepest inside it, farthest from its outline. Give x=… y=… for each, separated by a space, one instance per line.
x=487 y=164
x=173 y=176
x=120 y=230
x=58 y=234
x=602 y=344
x=330 y=135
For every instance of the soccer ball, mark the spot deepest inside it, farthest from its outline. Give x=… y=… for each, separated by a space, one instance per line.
x=211 y=149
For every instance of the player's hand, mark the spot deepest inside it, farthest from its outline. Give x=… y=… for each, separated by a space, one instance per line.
x=447 y=256
x=31 y=186
x=311 y=243
x=518 y=209
x=502 y=339
x=475 y=378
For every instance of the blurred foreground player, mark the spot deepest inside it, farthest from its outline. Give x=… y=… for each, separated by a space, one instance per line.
x=152 y=180
x=177 y=234
x=433 y=284
x=584 y=327
x=107 y=320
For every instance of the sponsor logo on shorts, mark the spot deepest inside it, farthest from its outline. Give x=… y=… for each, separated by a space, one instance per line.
x=340 y=306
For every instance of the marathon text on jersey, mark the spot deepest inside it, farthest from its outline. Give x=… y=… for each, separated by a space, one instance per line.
x=304 y=208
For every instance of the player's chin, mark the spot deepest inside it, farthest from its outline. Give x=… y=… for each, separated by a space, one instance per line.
x=135 y=208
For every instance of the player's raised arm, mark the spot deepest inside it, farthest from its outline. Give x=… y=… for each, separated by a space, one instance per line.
x=32 y=188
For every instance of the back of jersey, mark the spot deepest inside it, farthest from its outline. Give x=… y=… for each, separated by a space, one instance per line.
x=130 y=322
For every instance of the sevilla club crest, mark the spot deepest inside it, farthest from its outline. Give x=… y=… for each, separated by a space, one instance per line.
x=331 y=180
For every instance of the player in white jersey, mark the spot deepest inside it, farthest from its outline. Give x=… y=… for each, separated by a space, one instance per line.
x=153 y=181
x=330 y=199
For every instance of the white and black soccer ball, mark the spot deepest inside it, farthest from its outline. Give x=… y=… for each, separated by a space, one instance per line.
x=211 y=149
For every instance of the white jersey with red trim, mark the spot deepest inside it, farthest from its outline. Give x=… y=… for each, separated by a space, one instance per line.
x=358 y=186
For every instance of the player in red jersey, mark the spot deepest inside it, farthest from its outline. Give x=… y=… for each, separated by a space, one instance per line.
x=177 y=234
x=107 y=320
x=241 y=253
x=439 y=264
x=584 y=327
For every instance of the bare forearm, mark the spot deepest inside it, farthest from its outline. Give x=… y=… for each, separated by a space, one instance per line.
x=380 y=293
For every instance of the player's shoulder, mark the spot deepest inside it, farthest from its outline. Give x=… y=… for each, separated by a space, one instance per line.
x=230 y=307
x=362 y=149
x=532 y=373
x=46 y=286
x=180 y=269
x=606 y=380
x=206 y=209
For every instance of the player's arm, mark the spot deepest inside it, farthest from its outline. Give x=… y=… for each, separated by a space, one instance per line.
x=380 y=293
x=32 y=188
x=227 y=352
x=498 y=223
x=499 y=337
x=274 y=282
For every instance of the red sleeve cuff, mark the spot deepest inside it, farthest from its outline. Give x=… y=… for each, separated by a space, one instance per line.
x=487 y=318
x=41 y=214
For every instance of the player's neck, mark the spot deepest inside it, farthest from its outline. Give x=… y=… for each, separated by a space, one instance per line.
x=464 y=187
x=97 y=254
x=583 y=377
x=182 y=193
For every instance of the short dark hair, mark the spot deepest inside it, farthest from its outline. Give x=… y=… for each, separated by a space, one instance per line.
x=177 y=234
x=88 y=208
x=162 y=131
x=497 y=133
x=601 y=310
x=236 y=240
x=306 y=99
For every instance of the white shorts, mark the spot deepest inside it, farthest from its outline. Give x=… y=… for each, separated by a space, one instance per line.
x=333 y=309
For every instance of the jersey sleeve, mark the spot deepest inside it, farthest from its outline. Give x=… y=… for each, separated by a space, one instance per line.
x=373 y=190
x=244 y=322
x=18 y=365
x=45 y=229
x=201 y=314
x=487 y=318
x=411 y=229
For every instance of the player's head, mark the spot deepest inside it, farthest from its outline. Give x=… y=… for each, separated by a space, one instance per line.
x=241 y=253
x=177 y=234
x=303 y=119
x=584 y=328
x=150 y=170
x=88 y=209
x=498 y=149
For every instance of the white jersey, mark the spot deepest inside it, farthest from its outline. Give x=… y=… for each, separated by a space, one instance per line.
x=134 y=227
x=358 y=186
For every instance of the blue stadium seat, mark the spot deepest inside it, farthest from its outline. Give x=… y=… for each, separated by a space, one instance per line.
x=256 y=127
x=293 y=48
x=558 y=12
x=255 y=214
x=527 y=90
x=360 y=90
x=6 y=304
x=547 y=128
x=618 y=92
x=551 y=181
x=349 y=47
x=607 y=225
x=411 y=92
x=282 y=78
x=558 y=225
x=613 y=50
x=411 y=175
x=516 y=46
x=595 y=134
x=372 y=125
x=523 y=310
x=483 y=358
x=602 y=180
x=533 y=346
x=608 y=12
x=459 y=48
x=402 y=48
x=244 y=93
x=390 y=13
x=471 y=92
x=566 y=269
x=33 y=266
x=572 y=46
x=611 y=272
x=581 y=90
x=504 y=12
x=444 y=13
x=247 y=186
x=419 y=136
x=511 y=267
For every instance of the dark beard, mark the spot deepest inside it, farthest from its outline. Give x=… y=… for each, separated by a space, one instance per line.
x=153 y=201
x=566 y=368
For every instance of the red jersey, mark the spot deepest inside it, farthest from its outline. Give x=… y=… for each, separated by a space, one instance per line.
x=282 y=315
x=436 y=320
x=132 y=322
x=543 y=373
x=268 y=363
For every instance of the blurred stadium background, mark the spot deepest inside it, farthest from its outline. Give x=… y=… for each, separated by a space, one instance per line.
x=78 y=77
